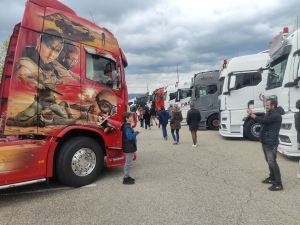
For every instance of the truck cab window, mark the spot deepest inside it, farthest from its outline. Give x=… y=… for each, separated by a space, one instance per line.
x=102 y=70
x=202 y=92
x=243 y=80
x=256 y=79
x=172 y=95
x=185 y=94
x=276 y=73
x=211 y=89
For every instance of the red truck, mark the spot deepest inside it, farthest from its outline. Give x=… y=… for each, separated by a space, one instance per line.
x=63 y=93
x=159 y=97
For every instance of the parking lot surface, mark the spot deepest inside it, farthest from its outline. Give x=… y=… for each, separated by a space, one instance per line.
x=218 y=182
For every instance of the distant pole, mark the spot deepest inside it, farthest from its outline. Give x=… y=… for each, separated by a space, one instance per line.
x=92 y=17
x=177 y=73
x=147 y=86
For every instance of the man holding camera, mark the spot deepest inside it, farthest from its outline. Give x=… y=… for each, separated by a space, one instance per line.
x=268 y=135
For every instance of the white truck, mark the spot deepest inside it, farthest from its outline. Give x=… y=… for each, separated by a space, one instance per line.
x=150 y=101
x=170 y=93
x=183 y=97
x=283 y=84
x=241 y=86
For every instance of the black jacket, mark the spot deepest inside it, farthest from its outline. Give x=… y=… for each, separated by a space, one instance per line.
x=128 y=146
x=147 y=115
x=297 y=121
x=152 y=111
x=271 y=122
x=193 y=118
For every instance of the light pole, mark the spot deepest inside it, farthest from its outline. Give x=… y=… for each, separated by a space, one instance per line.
x=177 y=73
x=147 y=86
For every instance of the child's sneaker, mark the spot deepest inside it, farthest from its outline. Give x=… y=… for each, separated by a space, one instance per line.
x=128 y=180
x=175 y=143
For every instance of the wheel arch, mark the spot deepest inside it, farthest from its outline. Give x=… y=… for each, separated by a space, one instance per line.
x=98 y=137
x=211 y=114
x=249 y=118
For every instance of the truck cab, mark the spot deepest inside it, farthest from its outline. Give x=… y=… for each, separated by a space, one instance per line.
x=159 y=97
x=241 y=86
x=205 y=98
x=183 y=97
x=283 y=84
x=63 y=92
x=171 y=94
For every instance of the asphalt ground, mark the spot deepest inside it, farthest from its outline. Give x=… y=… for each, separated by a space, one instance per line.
x=218 y=182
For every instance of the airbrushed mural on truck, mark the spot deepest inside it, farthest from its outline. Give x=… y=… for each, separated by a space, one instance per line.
x=47 y=78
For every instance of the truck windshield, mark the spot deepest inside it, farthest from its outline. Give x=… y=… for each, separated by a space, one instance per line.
x=221 y=84
x=185 y=93
x=276 y=73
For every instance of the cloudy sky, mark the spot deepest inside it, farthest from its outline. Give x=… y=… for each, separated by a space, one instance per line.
x=158 y=36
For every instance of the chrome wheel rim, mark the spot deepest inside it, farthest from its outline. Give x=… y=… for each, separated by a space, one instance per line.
x=83 y=162
x=255 y=129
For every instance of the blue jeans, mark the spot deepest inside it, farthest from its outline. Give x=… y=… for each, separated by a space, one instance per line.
x=128 y=164
x=142 y=122
x=270 y=152
x=147 y=124
x=164 y=130
x=175 y=138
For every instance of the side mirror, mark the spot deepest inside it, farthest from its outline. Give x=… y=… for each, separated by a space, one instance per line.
x=291 y=84
x=251 y=104
x=232 y=82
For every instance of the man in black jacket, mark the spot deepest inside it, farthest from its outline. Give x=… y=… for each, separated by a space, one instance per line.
x=192 y=119
x=269 y=135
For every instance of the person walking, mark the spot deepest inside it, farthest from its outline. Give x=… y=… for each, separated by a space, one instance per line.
x=176 y=118
x=163 y=117
x=129 y=145
x=269 y=134
x=170 y=110
x=157 y=112
x=147 y=118
x=193 y=118
x=140 y=113
x=297 y=126
x=153 y=115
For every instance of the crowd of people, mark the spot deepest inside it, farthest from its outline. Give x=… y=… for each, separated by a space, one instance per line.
x=162 y=117
x=269 y=134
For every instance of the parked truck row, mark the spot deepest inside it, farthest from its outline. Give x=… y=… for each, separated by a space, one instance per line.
x=60 y=112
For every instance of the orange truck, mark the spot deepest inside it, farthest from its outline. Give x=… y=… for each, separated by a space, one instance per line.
x=63 y=93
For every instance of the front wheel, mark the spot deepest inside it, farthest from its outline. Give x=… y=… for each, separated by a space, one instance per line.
x=79 y=161
x=252 y=130
x=213 y=122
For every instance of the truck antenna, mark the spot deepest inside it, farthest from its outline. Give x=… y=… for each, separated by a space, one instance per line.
x=92 y=17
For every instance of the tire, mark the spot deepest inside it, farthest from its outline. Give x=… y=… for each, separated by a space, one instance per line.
x=252 y=130
x=68 y=167
x=213 y=122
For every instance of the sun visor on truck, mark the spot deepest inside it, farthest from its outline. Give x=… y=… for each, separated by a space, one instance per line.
x=278 y=54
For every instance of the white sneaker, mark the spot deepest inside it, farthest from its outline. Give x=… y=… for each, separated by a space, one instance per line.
x=194 y=146
x=298 y=175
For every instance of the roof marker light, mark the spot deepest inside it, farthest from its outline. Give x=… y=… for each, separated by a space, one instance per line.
x=285 y=30
x=225 y=61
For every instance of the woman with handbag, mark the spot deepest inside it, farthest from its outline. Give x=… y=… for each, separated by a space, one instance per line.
x=176 y=118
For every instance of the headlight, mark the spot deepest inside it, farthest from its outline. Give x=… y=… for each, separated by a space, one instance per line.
x=286 y=126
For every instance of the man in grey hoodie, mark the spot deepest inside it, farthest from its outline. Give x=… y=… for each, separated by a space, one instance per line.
x=269 y=134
